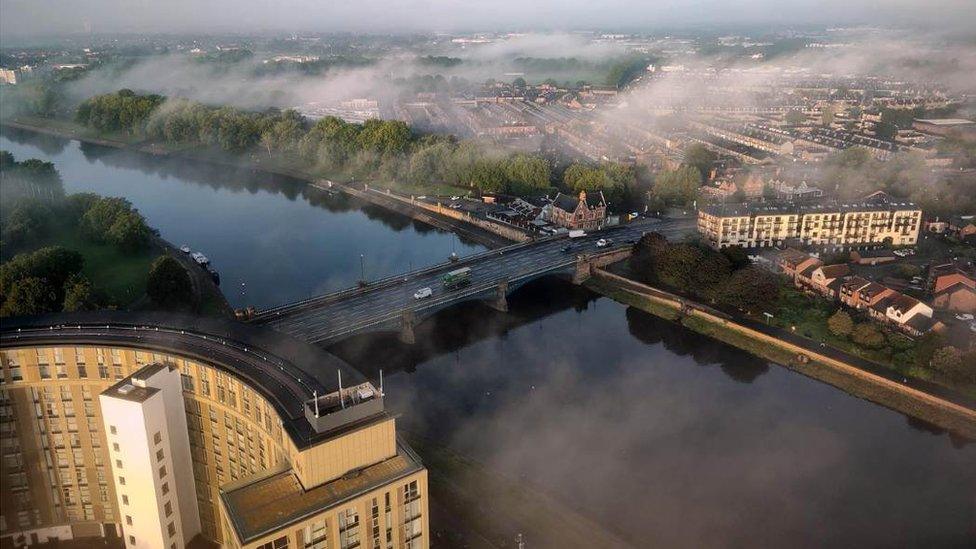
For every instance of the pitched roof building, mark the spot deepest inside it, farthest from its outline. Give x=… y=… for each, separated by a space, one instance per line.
x=586 y=211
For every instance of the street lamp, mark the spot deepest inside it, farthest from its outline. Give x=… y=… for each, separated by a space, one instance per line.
x=768 y=316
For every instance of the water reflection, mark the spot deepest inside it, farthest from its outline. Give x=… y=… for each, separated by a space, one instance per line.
x=48 y=144
x=272 y=238
x=625 y=418
x=736 y=363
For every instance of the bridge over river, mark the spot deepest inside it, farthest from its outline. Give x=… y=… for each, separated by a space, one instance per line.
x=388 y=304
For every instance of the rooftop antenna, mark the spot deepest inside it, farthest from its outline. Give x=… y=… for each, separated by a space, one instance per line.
x=381 y=382
x=315 y=396
x=342 y=401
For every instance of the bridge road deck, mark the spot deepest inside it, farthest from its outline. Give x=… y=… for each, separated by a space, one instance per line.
x=326 y=319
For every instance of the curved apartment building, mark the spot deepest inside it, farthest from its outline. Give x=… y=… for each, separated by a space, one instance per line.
x=168 y=431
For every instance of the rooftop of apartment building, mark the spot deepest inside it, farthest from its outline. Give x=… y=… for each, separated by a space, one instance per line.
x=780 y=208
x=283 y=370
x=260 y=505
x=133 y=388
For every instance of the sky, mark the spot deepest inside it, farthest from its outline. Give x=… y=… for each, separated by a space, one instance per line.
x=38 y=17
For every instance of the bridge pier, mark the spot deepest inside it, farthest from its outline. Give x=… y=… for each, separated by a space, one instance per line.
x=583 y=270
x=500 y=302
x=407 y=322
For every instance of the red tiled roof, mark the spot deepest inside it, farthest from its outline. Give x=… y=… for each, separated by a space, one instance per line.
x=835 y=271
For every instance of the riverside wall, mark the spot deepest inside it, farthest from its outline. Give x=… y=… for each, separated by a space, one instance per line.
x=842 y=374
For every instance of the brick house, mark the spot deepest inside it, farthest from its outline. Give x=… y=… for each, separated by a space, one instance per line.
x=904 y=313
x=955 y=292
x=791 y=261
x=826 y=279
x=587 y=211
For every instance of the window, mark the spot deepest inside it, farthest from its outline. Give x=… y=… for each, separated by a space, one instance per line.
x=171 y=529
x=315 y=535
x=115 y=446
x=128 y=520
x=168 y=508
x=132 y=540
x=165 y=488
x=280 y=543
x=157 y=438
x=159 y=455
x=118 y=464
x=162 y=472
x=122 y=481
x=112 y=429
x=125 y=499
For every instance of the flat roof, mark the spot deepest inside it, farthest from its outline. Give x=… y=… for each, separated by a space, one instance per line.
x=271 y=503
x=125 y=390
x=283 y=370
x=779 y=208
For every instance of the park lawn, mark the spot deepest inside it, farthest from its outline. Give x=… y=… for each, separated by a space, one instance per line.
x=120 y=275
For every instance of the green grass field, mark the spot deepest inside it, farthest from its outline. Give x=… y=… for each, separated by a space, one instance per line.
x=120 y=275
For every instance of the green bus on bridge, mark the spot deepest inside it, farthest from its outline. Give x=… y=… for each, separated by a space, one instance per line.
x=457 y=278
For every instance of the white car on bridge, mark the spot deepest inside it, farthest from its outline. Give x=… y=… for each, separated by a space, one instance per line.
x=423 y=293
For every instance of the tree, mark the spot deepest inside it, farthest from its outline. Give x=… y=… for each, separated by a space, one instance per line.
x=644 y=261
x=169 y=284
x=885 y=131
x=79 y=295
x=626 y=70
x=795 y=118
x=969 y=366
x=30 y=220
x=679 y=187
x=700 y=158
x=27 y=296
x=737 y=256
x=827 y=115
x=129 y=232
x=527 y=174
x=750 y=289
x=840 y=324
x=926 y=346
x=948 y=362
x=676 y=265
x=868 y=336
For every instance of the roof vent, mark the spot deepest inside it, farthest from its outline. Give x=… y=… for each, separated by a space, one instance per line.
x=126 y=389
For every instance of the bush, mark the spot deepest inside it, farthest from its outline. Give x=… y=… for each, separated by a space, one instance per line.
x=868 y=336
x=840 y=324
x=948 y=362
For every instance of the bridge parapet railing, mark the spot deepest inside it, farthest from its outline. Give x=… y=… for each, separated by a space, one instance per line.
x=392 y=279
x=447 y=299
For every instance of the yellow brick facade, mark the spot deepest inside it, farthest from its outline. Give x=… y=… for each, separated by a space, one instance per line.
x=55 y=467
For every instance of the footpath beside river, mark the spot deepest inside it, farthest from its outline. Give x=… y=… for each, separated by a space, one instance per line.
x=951 y=412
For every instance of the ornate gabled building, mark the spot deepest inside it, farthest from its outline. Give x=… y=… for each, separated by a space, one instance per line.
x=587 y=211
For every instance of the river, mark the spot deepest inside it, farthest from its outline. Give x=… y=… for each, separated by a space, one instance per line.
x=662 y=436
x=272 y=239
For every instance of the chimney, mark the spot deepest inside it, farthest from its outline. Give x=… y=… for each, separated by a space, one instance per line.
x=583 y=196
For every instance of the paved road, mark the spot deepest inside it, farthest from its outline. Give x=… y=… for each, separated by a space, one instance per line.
x=329 y=318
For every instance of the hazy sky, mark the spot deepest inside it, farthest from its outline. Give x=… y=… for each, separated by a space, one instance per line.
x=20 y=17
